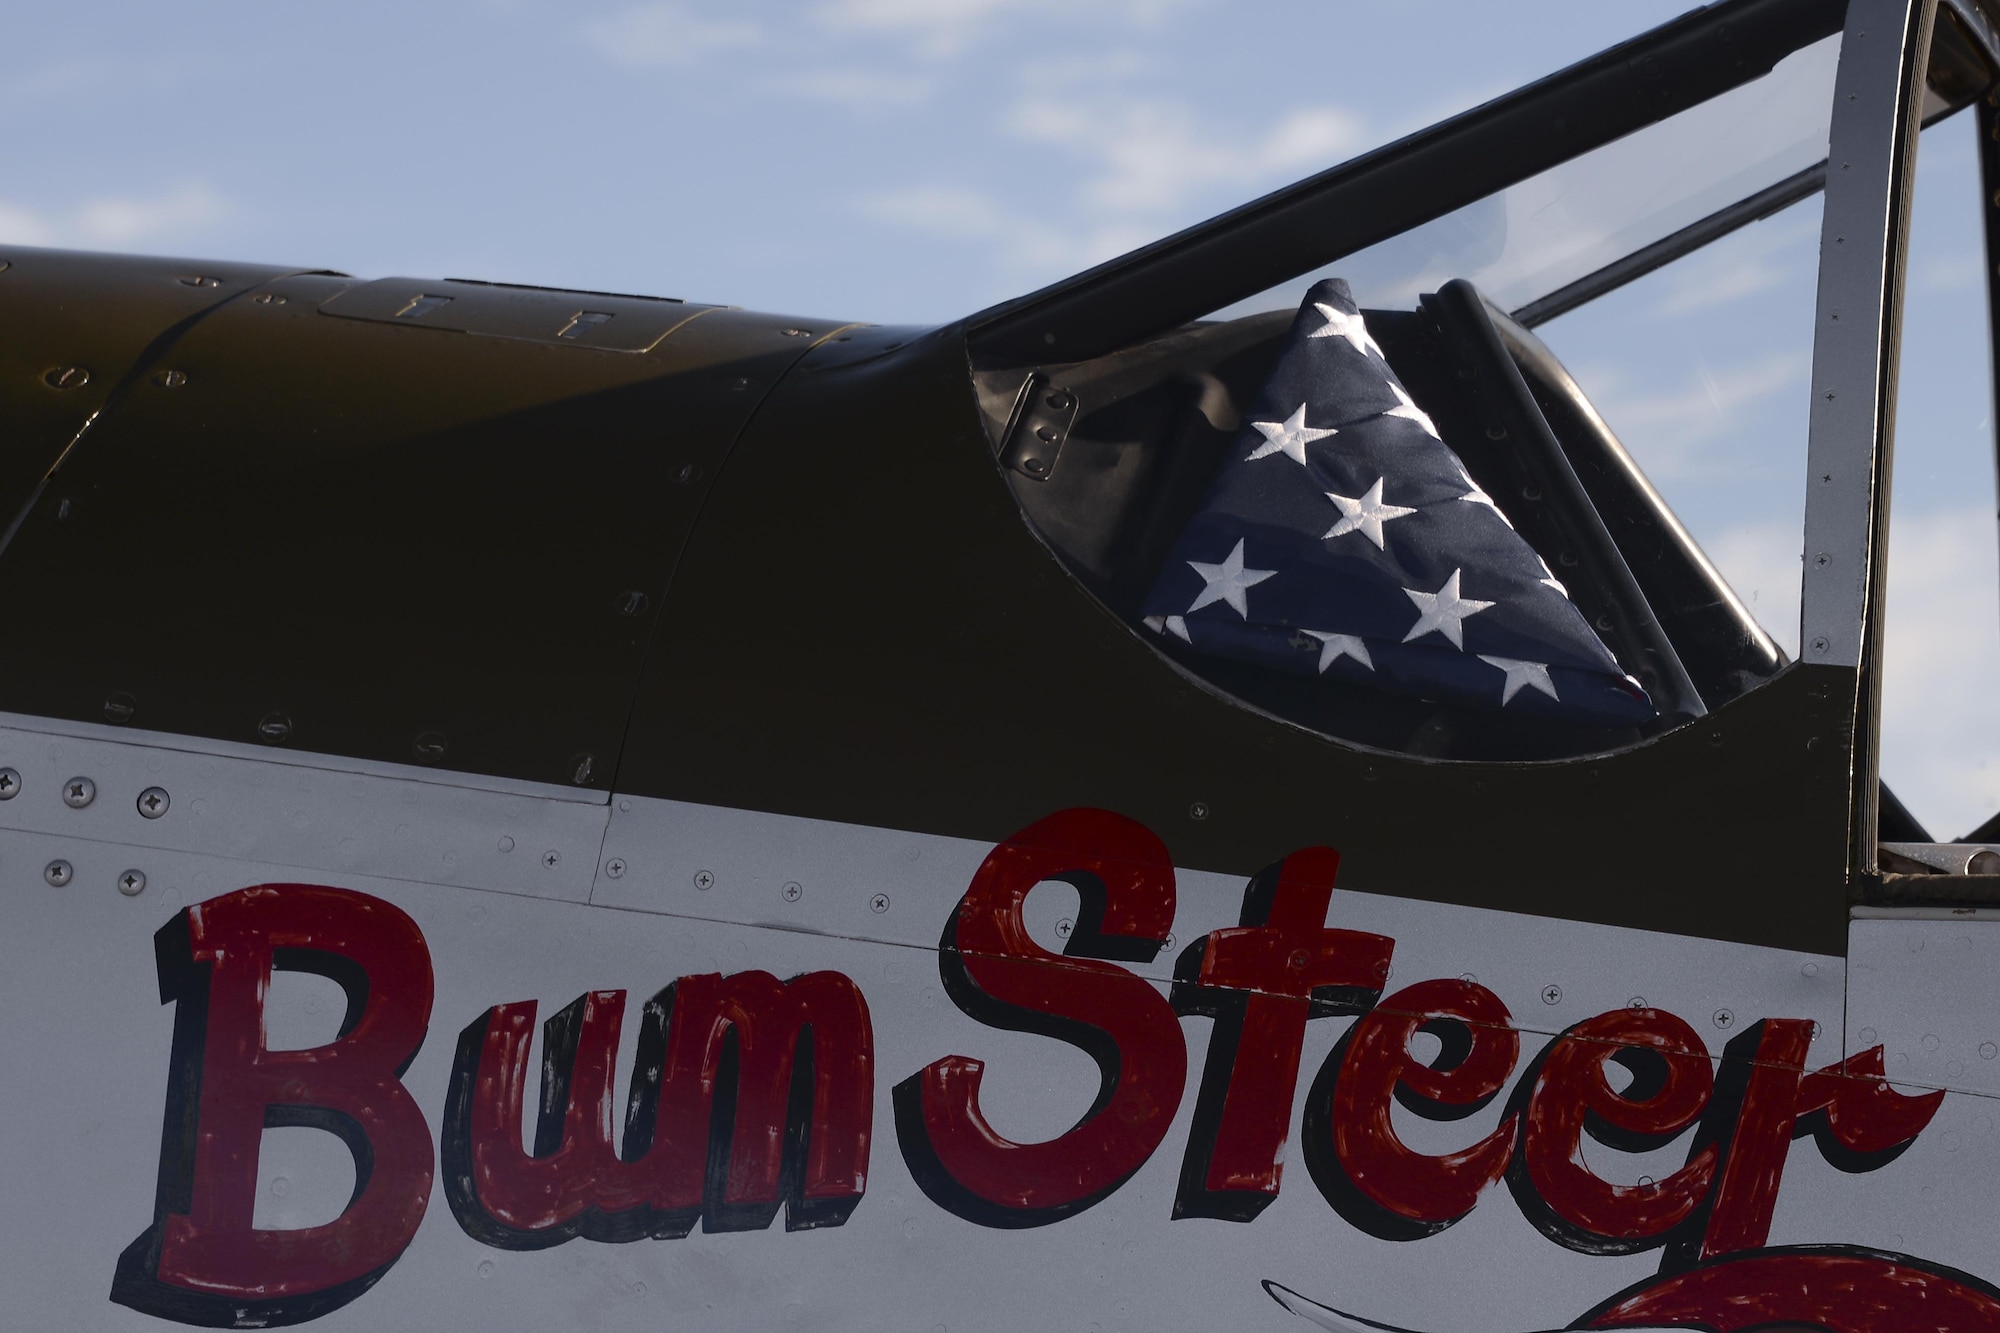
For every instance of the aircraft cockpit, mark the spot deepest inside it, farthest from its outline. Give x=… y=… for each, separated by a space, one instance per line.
x=1616 y=298
x=1507 y=507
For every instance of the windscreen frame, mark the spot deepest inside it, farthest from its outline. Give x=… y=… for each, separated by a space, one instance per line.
x=1864 y=241
x=1314 y=222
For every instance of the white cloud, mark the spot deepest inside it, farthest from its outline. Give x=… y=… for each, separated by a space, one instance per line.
x=1948 y=273
x=1153 y=156
x=117 y=222
x=22 y=226
x=858 y=88
x=1940 y=712
x=65 y=78
x=667 y=34
x=1020 y=241
x=1761 y=562
x=942 y=210
x=1760 y=258
x=943 y=28
x=122 y=221
x=1142 y=162
x=1691 y=429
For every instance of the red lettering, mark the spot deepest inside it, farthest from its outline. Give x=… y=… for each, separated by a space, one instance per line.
x=994 y=971
x=1356 y=1158
x=1261 y=982
x=1763 y=1101
x=1569 y=1095
x=1860 y=1122
x=517 y=1200
x=202 y=1261
x=748 y=1094
x=1750 y=1122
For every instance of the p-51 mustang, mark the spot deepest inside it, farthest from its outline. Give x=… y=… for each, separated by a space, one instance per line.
x=1214 y=794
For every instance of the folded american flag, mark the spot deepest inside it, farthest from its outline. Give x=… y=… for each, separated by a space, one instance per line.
x=1342 y=538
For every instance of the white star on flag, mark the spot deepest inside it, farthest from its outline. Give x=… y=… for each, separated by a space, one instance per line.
x=1532 y=674
x=1366 y=515
x=1290 y=436
x=1444 y=611
x=1228 y=581
x=1333 y=647
x=1340 y=324
x=1409 y=411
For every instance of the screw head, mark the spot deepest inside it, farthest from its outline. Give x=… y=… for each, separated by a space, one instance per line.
x=1636 y=1002
x=119 y=706
x=1724 y=1019
x=170 y=379
x=703 y=880
x=1819 y=645
x=66 y=377
x=153 y=802
x=10 y=784
x=689 y=474
x=552 y=858
x=879 y=903
x=1199 y=810
x=429 y=747
x=79 y=792
x=58 y=873
x=615 y=868
x=274 y=728
x=793 y=891
x=631 y=603
x=132 y=883
x=268 y=298
x=1064 y=927
x=1552 y=994
x=1034 y=465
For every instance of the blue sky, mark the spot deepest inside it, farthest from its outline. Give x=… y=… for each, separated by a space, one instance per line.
x=891 y=160
x=913 y=160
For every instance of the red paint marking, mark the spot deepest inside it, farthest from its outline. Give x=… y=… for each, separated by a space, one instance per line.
x=1846 y=1291
x=997 y=973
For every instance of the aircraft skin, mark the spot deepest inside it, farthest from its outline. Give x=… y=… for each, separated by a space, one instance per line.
x=507 y=793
